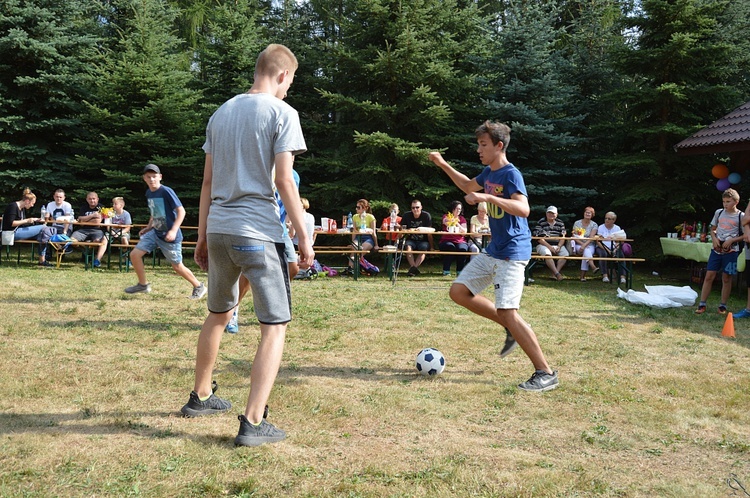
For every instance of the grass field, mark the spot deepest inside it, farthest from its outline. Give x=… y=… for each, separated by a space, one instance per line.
x=651 y=402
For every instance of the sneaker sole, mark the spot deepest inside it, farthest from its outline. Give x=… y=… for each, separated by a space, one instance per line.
x=256 y=441
x=192 y=413
x=540 y=390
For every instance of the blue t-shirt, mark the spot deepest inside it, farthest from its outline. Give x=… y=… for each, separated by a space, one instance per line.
x=162 y=203
x=282 y=209
x=511 y=237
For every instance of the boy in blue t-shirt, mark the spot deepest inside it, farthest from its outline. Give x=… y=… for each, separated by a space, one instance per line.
x=504 y=263
x=162 y=231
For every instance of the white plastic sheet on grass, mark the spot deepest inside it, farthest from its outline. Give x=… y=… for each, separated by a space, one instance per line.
x=661 y=296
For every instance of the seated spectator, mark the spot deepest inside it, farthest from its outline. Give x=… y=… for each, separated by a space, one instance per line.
x=391 y=238
x=364 y=236
x=551 y=228
x=585 y=228
x=413 y=220
x=60 y=208
x=309 y=224
x=455 y=241
x=480 y=223
x=57 y=209
x=90 y=212
x=121 y=217
x=15 y=220
x=609 y=248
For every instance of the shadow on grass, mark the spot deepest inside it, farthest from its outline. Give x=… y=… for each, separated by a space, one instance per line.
x=103 y=423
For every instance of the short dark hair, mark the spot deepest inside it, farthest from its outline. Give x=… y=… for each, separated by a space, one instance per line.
x=498 y=132
x=453 y=205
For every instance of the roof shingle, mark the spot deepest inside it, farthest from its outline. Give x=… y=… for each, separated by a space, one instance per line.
x=727 y=134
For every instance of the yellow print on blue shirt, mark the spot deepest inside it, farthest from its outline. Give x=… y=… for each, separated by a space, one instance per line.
x=494 y=211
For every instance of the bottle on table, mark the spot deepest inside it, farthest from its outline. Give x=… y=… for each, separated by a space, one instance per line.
x=44 y=213
x=363 y=221
x=349 y=221
x=392 y=225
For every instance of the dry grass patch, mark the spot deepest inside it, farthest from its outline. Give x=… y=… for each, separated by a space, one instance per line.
x=651 y=402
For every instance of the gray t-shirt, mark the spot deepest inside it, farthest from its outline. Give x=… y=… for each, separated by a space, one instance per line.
x=728 y=226
x=243 y=136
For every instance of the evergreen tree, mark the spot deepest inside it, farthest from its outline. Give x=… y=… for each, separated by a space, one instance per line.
x=46 y=48
x=680 y=72
x=541 y=106
x=388 y=72
x=143 y=110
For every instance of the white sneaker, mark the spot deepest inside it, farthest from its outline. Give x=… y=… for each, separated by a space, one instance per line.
x=198 y=292
x=623 y=280
x=605 y=279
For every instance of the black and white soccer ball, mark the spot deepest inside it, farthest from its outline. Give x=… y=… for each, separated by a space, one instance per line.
x=430 y=361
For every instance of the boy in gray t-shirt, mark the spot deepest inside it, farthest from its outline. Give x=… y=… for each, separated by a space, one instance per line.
x=251 y=141
x=726 y=233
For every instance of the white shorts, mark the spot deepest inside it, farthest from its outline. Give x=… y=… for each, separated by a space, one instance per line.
x=507 y=276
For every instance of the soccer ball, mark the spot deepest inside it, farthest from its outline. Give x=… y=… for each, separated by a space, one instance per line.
x=430 y=361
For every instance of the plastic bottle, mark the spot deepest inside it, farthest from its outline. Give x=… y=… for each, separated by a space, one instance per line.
x=363 y=221
x=349 y=221
x=44 y=213
x=392 y=225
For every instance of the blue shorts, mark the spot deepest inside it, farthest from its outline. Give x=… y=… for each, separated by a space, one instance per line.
x=172 y=250
x=723 y=262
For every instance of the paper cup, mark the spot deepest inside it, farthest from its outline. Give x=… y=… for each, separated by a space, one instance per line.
x=324 y=224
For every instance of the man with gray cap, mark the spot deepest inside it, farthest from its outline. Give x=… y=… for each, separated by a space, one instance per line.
x=550 y=228
x=162 y=231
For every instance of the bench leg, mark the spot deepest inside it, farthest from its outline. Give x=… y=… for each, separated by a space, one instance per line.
x=527 y=271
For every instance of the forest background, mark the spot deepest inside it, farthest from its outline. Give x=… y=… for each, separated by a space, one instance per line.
x=597 y=93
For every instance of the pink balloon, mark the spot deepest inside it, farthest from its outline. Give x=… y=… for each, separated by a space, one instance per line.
x=723 y=184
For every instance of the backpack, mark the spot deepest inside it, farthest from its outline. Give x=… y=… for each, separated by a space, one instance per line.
x=367 y=267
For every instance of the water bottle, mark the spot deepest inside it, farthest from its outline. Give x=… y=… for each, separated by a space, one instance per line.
x=363 y=221
x=393 y=220
x=44 y=213
x=349 y=221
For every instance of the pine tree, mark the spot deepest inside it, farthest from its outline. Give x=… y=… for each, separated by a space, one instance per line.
x=542 y=108
x=679 y=73
x=143 y=109
x=46 y=49
x=388 y=71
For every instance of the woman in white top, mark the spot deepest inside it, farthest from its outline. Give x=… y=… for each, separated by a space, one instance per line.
x=309 y=223
x=479 y=223
x=605 y=247
x=585 y=228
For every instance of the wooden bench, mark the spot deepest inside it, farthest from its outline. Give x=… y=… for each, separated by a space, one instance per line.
x=535 y=258
x=87 y=247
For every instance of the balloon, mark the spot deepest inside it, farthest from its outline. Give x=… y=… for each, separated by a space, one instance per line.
x=734 y=178
x=722 y=185
x=720 y=171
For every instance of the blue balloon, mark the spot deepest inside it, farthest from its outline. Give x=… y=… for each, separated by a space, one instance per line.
x=722 y=185
x=734 y=178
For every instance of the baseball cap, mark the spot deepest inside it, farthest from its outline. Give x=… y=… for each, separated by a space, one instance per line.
x=552 y=209
x=152 y=167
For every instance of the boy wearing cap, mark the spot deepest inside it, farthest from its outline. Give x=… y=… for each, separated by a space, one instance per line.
x=550 y=227
x=503 y=264
x=162 y=231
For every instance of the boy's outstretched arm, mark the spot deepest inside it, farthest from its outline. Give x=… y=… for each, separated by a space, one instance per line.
x=462 y=181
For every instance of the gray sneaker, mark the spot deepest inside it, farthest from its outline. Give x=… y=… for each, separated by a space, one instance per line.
x=138 y=288
x=255 y=435
x=197 y=408
x=510 y=344
x=540 y=381
x=198 y=292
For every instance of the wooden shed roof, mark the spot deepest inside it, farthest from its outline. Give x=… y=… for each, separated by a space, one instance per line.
x=728 y=134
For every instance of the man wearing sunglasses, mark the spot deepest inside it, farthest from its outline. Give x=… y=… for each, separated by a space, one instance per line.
x=413 y=220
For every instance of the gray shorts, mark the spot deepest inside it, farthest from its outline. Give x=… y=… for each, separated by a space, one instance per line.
x=172 y=250
x=507 y=276
x=264 y=265
x=90 y=234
